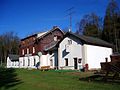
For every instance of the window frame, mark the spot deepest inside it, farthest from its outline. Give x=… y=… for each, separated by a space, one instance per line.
x=69 y=42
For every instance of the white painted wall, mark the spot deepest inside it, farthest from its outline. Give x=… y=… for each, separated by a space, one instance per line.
x=74 y=49
x=9 y=64
x=44 y=61
x=12 y=64
x=36 y=59
x=25 y=61
x=20 y=62
x=51 y=57
x=96 y=54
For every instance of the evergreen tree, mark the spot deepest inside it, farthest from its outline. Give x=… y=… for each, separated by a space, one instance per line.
x=111 y=27
x=9 y=44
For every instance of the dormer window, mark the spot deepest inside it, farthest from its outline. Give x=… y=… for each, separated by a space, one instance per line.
x=55 y=38
x=69 y=42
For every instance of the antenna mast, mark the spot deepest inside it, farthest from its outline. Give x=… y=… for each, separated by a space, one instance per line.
x=70 y=12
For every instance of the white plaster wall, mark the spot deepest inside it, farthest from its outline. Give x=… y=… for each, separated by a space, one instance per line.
x=25 y=59
x=75 y=51
x=53 y=59
x=26 y=62
x=43 y=60
x=36 y=59
x=96 y=54
x=20 y=62
x=31 y=58
x=8 y=62
x=12 y=64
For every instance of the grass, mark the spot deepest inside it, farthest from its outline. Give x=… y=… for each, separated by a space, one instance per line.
x=52 y=80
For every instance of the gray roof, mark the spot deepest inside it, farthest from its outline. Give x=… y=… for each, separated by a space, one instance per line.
x=13 y=56
x=91 y=40
x=116 y=54
x=84 y=39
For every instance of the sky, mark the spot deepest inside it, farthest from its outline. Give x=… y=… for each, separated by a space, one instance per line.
x=25 y=17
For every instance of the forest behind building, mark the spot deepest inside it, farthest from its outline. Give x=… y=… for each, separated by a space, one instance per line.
x=106 y=28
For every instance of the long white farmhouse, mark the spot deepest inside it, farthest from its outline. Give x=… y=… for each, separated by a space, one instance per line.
x=61 y=51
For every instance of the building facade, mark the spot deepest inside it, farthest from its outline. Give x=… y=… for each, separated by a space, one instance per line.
x=58 y=50
x=31 y=46
x=77 y=51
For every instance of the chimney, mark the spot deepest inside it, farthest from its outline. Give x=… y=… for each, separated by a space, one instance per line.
x=55 y=27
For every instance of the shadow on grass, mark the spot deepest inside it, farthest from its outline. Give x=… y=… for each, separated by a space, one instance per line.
x=8 y=78
x=100 y=79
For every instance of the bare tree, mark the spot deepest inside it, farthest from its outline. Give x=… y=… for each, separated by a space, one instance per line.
x=90 y=25
x=9 y=44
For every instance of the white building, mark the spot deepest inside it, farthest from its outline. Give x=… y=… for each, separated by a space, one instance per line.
x=72 y=52
x=13 y=61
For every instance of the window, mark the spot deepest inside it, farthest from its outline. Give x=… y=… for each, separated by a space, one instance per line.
x=58 y=38
x=69 y=42
x=27 y=50
x=33 y=38
x=55 y=38
x=23 y=62
x=28 y=62
x=27 y=40
x=79 y=60
x=23 y=52
x=66 y=61
x=34 y=62
x=33 y=49
x=23 y=42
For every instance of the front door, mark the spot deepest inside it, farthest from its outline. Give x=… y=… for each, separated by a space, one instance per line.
x=75 y=63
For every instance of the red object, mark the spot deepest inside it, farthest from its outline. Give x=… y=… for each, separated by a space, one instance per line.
x=86 y=67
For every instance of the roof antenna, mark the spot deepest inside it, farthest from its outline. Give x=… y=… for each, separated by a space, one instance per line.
x=70 y=12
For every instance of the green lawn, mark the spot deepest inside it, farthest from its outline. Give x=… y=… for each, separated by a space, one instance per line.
x=23 y=79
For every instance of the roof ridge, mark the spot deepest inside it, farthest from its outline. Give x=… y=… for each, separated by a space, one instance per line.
x=92 y=40
x=51 y=31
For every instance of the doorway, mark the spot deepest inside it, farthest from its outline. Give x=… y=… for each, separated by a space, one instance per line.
x=75 y=63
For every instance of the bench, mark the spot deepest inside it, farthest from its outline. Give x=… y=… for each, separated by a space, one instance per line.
x=43 y=68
